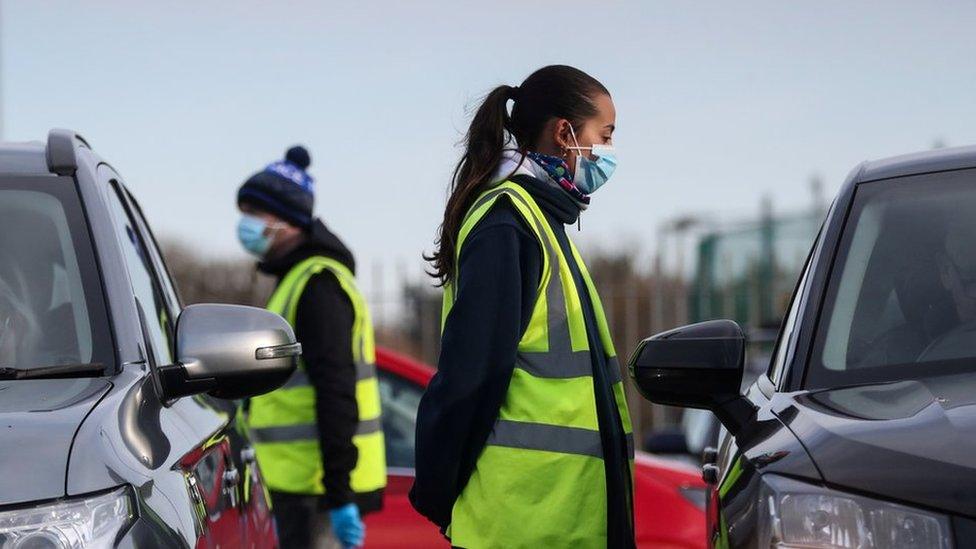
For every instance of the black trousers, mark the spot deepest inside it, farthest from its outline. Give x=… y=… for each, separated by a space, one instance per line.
x=302 y=523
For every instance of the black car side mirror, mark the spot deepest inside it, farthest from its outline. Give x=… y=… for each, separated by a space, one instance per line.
x=229 y=351
x=695 y=366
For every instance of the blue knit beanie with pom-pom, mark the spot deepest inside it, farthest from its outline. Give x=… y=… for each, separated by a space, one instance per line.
x=283 y=188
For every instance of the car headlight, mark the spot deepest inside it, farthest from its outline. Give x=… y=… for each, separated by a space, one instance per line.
x=796 y=514
x=95 y=520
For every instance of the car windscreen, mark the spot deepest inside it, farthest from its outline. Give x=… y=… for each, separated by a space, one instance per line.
x=901 y=302
x=51 y=307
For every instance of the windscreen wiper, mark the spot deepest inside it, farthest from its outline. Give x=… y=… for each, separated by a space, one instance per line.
x=48 y=372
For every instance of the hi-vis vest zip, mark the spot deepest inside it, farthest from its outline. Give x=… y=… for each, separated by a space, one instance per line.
x=283 y=421
x=540 y=481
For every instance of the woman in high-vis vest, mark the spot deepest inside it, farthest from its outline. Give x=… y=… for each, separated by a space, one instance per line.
x=523 y=436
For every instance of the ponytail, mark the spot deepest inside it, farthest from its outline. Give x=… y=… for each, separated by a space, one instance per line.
x=556 y=91
x=487 y=137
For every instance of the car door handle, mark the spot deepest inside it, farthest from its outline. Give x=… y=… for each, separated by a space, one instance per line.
x=231 y=479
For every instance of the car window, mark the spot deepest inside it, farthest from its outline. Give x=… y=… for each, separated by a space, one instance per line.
x=162 y=272
x=147 y=293
x=787 y=334
x=51 y=309
x=698 y=428
x=901 y=301
x=400 y=399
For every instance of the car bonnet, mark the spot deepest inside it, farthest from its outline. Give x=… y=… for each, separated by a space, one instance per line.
x=38 y=421
x=912 y=441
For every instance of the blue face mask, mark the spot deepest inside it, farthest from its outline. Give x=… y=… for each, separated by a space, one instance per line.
x=250 y=232
x=590 y=175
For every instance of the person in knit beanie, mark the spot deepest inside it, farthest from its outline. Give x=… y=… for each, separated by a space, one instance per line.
x=321 y=479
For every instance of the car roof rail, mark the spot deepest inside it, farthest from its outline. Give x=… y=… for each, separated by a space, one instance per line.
x=62 y=158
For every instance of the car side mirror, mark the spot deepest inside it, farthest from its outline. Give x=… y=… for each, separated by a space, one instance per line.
x=695 y=366
x=229 y=351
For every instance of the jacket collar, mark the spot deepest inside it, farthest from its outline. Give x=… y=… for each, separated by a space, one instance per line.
x=551 y=198
x=517 y=167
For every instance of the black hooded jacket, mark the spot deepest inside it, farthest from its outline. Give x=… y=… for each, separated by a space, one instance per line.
x=323 y=325
x=499 y=272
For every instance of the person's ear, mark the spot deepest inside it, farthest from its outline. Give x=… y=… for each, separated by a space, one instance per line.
x=562 y=136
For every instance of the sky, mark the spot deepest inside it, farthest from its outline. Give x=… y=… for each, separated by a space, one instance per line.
x=718 y=103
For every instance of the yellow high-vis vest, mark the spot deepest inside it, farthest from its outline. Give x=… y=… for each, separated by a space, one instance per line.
x=540 y=480
x=283 y=423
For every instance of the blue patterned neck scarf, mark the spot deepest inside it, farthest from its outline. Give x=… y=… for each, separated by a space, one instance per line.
x=558 y=170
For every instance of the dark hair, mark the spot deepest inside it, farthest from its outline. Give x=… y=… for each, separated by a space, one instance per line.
x=556 y=91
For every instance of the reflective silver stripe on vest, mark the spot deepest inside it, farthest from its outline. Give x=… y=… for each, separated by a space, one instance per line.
x=299 y=378
x=368 y=426
x=306 y=431
x=614 y=366
x=550 y=438
x=365 y=370
x=555 y=365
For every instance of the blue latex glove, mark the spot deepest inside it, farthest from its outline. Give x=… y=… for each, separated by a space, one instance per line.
x=347 y=526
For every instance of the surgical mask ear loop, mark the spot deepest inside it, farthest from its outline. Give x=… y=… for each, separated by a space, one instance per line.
x=579 y=150
x=579 y=154
x=579 y=217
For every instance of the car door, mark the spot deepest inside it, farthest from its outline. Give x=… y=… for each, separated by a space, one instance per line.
x=241 y=478
x=210 y=471
x=256 y=522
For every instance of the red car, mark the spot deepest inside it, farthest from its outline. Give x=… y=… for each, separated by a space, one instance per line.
x=669 y=496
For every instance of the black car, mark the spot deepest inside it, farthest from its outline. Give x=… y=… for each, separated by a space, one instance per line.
x=863 y=431
x=115 y=428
